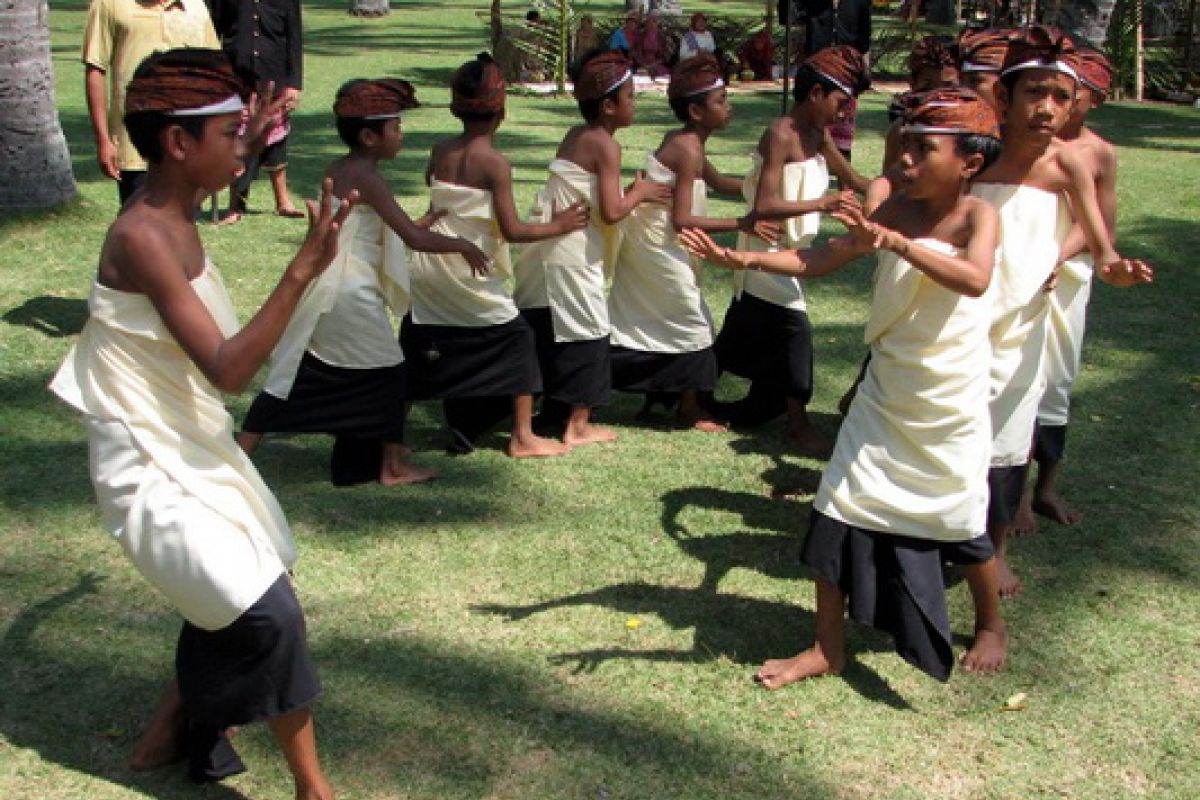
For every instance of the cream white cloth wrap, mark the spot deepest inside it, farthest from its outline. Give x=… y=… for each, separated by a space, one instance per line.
x=343 y=317
x=444 y=292
x=802 y=180
x=912 y=455
x=1064 y=338
x=655 y=303
x=1033 y=225
x=567 y=273
x=173 y=487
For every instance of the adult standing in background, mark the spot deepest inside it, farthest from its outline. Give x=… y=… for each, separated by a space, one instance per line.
x=832 y=22
x=262 y=39
x=119 y=34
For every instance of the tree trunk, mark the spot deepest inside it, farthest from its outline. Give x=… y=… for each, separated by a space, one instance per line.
x=369 y=8
x=35 y=167
x=1085 y=19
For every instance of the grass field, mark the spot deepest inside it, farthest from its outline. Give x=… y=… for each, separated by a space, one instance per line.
x=474 y=635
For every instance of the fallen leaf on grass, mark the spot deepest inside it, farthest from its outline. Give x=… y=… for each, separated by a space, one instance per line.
x=1016 y=702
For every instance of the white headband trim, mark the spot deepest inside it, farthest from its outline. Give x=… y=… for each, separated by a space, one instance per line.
x=628 y=74
x=226 y=106
x=1091 y=85
x=717 y=84
x=1057 y=66
x=835 y=82
x=931 y=129
x=393 y=115
x=975 y=66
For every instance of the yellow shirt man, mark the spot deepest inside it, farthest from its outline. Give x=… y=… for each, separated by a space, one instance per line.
x=119 y=34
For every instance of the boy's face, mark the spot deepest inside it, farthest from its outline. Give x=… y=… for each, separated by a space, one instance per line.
x=623 y=106
x=390 y=137
x=935 y=78
x=983 y=84
x=218 y=156
x=714 y=112
x=1085 y=100
x=1040 y=102
x=931 y=166
x=830 y=106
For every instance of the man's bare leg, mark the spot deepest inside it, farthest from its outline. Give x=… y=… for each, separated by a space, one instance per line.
x=690 y=414
x=801 y=434
x=524 y=442
x=1046 y=499
x=989 y=651
x=580 y=430
x=162 y=741
x=249 y=442
x=396 y=470
x=827 y=656
x=1008 y=584
x=1025 y=522
x=298 y=740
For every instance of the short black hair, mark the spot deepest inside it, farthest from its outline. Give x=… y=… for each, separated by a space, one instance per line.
x=969 y=144
x=145 y=128
x=806 y=78
x=349 y=128
x=680 y=105
x=590 y=109
x=467 y=82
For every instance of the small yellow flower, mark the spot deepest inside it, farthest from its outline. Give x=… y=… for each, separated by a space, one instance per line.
x=633 y=623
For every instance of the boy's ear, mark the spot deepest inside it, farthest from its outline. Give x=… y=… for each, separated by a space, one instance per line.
x=175 y=142
x=972 y=164
x=367 y=138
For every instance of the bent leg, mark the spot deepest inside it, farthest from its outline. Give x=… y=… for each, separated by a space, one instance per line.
x=298 y=741
x=989 y=651
x=827 y=656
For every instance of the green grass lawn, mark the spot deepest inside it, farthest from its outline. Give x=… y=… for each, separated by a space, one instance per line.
x=473 y=634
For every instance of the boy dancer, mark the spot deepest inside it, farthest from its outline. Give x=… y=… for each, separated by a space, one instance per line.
x=982 y=54
x=184 y=501
x=560 y=283
x=662 y=331
x=906 y=487
x=465 y=339
x=339 y=368
x=1030 y=185
x=1069 y=298
x=932 y=64
x=766 y=337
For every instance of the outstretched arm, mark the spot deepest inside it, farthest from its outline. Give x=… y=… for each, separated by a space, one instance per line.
x=767 y=201
x=1110 y=266
x=615 y=206
x=512 y=228
x=375 y=192
x=687 y=172
x=847 y=176
x=151 y=263
x=809 y=262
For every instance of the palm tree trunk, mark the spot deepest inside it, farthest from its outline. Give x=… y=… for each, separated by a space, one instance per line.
x=1085 y=19
x=35 y=167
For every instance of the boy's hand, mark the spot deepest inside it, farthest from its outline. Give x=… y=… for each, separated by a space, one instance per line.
x=429 y=217
x=1126 y=272
x=572 y=218
x=264 y=112
x=701 y=245
x=839 y=200
x=476 y=259
x=106 y=157
x=648 y=191
x=767 y=230
x=321 y=243
x=864 y=232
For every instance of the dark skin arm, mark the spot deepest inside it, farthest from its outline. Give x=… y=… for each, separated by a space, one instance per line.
x=847 y=176
x=498 y=177
x=686 y=159
x=95 y=86
x=1110 y=266
x=1106 y=197
x=774 y=146
x=809 y=262
x=150 y=261
x=607 y=166
x=374 y=191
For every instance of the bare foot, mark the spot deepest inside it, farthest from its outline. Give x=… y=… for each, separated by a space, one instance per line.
x=290 y=212
x=709 y=426
x=809 y=441
x=230 y=217
x=988 y=652
x=535 y=447
x=1025 y=522
x=162 y=741
x=404 y=474
x=1009 y=583
x=1052 y=506
x=321 y=791
x=812 y=663
x=587 y=434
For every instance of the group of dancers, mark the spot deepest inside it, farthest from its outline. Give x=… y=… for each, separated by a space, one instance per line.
x=990 y=195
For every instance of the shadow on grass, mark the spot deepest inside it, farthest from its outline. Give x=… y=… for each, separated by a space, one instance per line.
x=53 y=316
x=421 y=719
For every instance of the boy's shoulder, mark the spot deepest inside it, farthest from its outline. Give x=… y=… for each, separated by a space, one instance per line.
x=140 y=240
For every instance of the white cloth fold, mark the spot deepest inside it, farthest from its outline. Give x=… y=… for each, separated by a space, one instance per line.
x=343 y=317
x=1033 y=226
x=444 y=292
x=655 y=304
x=912 y=455
x=801 y=180
x=567 y=274
x=1064 y=338
x=173 y=487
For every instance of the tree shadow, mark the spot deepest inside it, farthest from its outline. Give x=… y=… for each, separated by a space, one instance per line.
x=55 y=317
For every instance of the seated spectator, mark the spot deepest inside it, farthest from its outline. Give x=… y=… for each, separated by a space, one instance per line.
x=653 y=48
x=697 y=39
x=586 y=38
x=758 y=55
x=626 y=38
